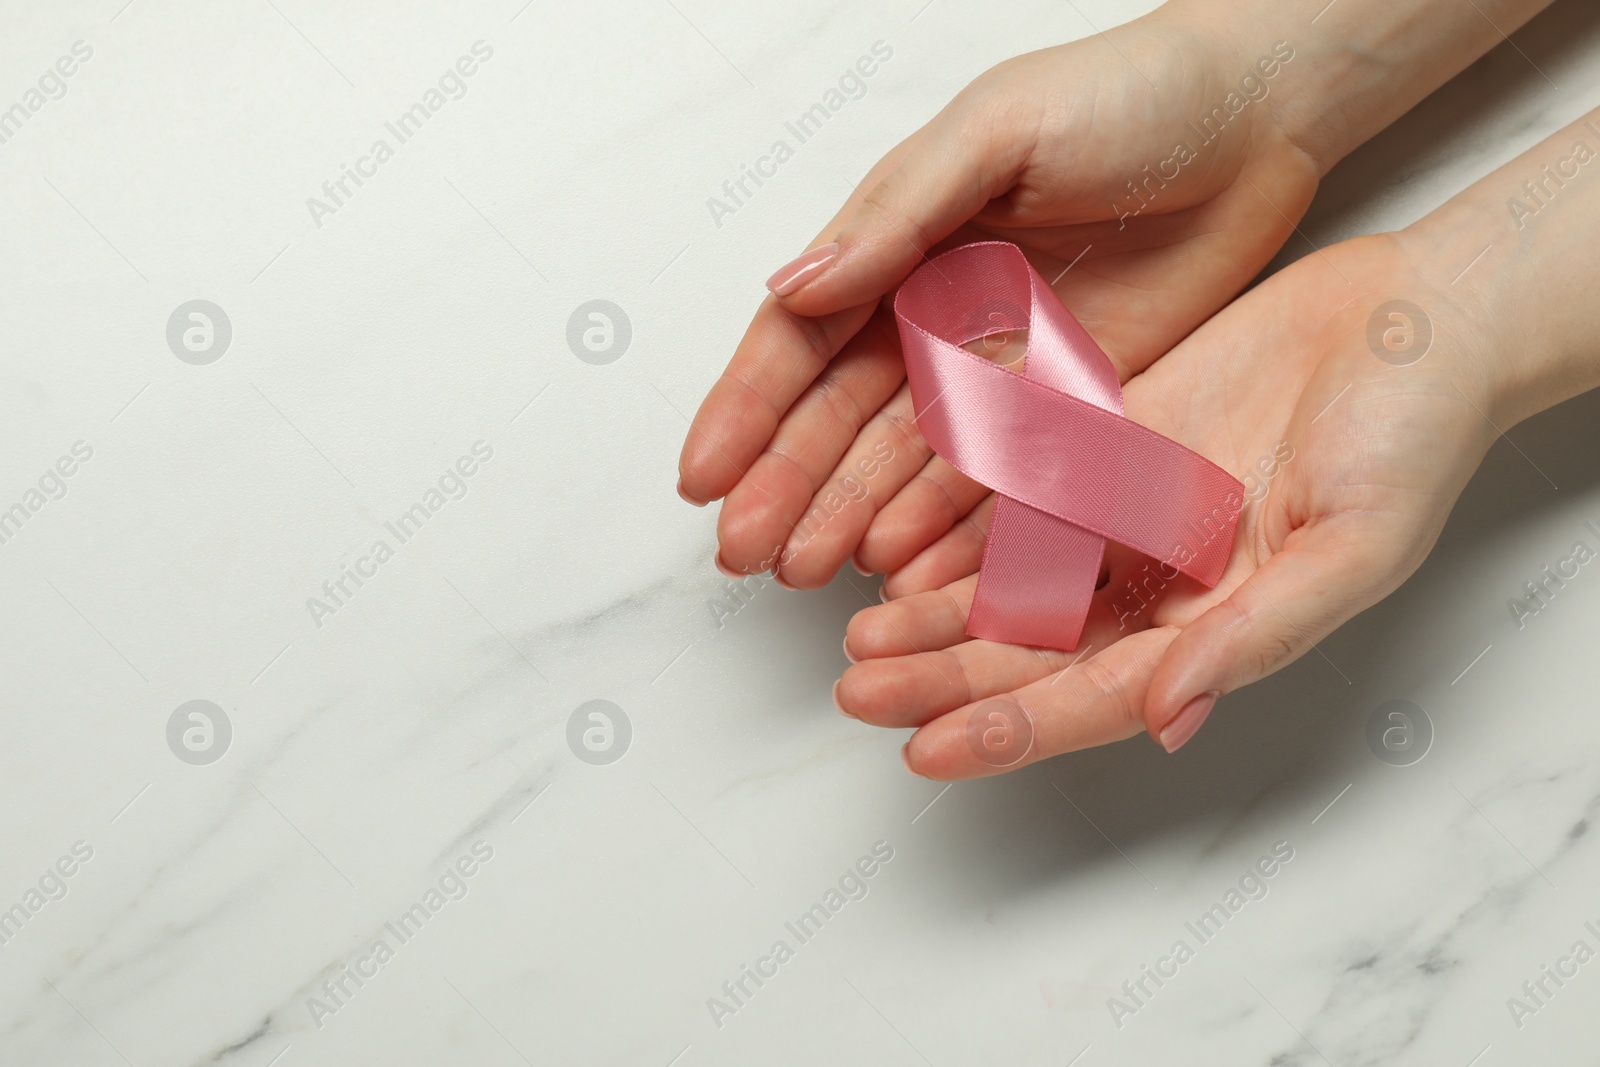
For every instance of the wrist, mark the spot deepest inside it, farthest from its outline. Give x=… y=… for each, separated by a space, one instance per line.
x=1360 y=64
x=1251 y=75
x=1307 y=102
x=1512 y=258
x=1433 y=268
x=1303 y=78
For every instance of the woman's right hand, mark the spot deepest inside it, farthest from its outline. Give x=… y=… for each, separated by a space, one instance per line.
x=1357 y=457
x=1090 y=156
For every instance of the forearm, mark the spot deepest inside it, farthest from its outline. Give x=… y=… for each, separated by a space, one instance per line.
x=1359 y=64
x=1519 y=254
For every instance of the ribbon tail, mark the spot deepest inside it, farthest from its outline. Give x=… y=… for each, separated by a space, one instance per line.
x=1037 y=579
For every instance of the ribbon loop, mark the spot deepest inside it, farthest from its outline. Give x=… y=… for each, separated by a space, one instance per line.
x=1070 y=471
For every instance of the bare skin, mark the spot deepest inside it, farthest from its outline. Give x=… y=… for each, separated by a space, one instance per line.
x=1344 y=521
x=1380 y=454
x=1039 y=151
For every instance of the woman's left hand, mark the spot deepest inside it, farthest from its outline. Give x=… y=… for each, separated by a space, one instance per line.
x=1354 y=462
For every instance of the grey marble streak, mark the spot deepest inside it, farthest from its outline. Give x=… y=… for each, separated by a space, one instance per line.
x=378 y=748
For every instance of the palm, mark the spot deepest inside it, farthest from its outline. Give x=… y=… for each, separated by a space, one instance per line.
x=1361 y=481
x=785 y=431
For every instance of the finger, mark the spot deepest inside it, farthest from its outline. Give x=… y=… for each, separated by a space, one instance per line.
x=929 y=667
x=953 y=556
x=888 y=452
x=780 y=355
x=968 y=154
x=960 y=552
x=1117 y=597
x=926 y=509
x=925 y=622
x=1095 y=702
x=912 y=690
x=1125 y=589
x=1322 y=577
x=762 y=509
x=844 y=507
x=939 y=503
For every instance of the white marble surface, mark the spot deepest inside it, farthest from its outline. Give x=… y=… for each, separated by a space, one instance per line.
x=427 y=716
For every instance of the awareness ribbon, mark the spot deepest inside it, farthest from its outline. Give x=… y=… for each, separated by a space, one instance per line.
x=1069 y=470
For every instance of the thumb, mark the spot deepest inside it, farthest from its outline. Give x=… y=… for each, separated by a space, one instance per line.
x=1274 y=617
x=944 y=174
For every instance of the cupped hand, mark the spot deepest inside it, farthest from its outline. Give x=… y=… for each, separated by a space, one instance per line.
x=1351 y=464
x=1074 y=154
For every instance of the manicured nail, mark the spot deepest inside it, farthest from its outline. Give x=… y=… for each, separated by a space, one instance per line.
x=847 y=654
x=687 y=499
x=792 y=275
x=836 y=703
x=1188 y=721
x=726 y=570
x=905 y=757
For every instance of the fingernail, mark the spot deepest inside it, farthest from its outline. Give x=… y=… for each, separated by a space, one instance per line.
x=836 y=703
x=860 y=569
x=779 y=579
x=725 y=569
x=883 y=593
x=1188 y=721
x=847 y=654
x=792 y=275
x=905 y=757
x=687 y=499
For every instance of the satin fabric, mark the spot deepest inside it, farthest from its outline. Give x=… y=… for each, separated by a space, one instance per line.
x=1070 y=471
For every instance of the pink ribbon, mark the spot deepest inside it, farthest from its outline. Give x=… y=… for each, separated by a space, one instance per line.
x=1070 y=471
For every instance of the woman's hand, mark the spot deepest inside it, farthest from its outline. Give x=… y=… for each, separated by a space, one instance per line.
x=1121 y=157
x=1354 y=461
